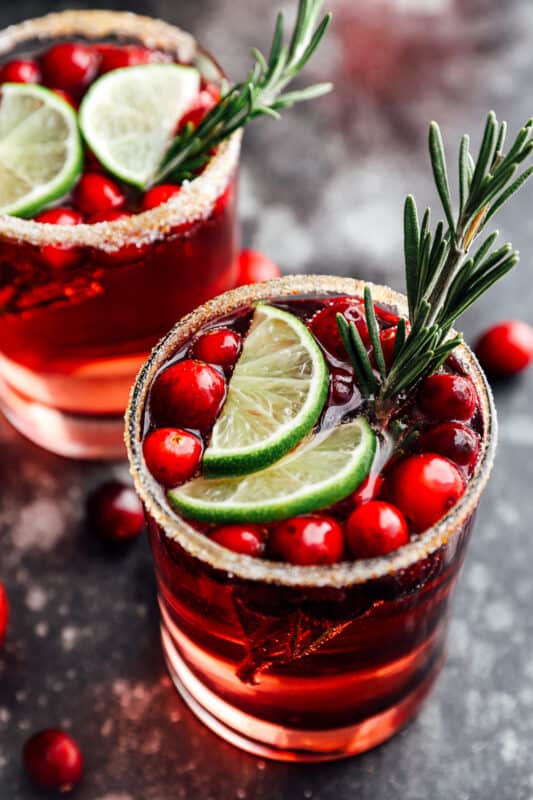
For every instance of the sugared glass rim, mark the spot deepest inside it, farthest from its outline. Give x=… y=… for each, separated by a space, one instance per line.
x=246 y=567
x=197 y=197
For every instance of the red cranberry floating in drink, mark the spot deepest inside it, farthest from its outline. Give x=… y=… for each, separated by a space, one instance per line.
x=308 y=540
x=70 y=66
x=506 y=348
x=172 y=455
x=97 y=194
x=121 y=56
x=249 y=540
x=159 y=195
x=255 y=267
x=424 y=487
x=220 y=346
x=115 y=513
x=60 y=257
x=189 y=394
x=53 y=761
x=204 y=102
x=454 y=440
x=375 y=529
x=20 y=70
x=4 y=613
x=447 y=397
x=324 y=324
x=342 y=385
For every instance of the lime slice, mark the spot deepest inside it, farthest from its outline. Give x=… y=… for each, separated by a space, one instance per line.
x=319 y=472
x=276 y=393
x=41 y=155
x=128 y=116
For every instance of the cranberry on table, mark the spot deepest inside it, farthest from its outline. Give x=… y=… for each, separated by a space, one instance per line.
x=97 y=194
x=219 y=346
x=53 y=761
x=324 y=324
x=20 y=70
x=447 y=397
x=120 y=56
x=506 y=348
x=61 y=256
x=188 y=394
x=424 y=487
x=159 y=195
x=368 y=490
x=249 y=540
x=308 y=540
x=375 y=529
x=172 y=455
x=4 y=614
x=115 y=512
x=255 y=267
x=453 y=440
x=69 y=66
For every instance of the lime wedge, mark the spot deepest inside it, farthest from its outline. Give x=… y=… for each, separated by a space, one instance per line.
x=319 y=472
x=276 y=393
x=129 y=115
x=41 y=154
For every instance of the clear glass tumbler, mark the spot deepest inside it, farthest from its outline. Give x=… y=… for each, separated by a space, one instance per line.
x=302 y=663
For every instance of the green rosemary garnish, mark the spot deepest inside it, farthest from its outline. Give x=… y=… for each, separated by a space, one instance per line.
x=442 y=279
x=261 y=93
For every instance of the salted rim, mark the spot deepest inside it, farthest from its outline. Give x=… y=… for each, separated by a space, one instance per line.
x=247 y=567
x=197 y=197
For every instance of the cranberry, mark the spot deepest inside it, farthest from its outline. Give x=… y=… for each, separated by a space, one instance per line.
x=97 y=194
x=172 y=455
x=114 y=56
x=424 y=487
x=255 y=267
x=246 y=539
x=446 y=397
x=220 y=346
x=308 y=540
x=375 y=529
x=189 y=393
x=115 y=512
x=62 y=256
x=69 y=66
x=4 y=614
x=506 y=348
x=20 y=70
x=109 y=216
x=159 y=195
x=369 y=489
x=342 y=386
x=453 y=440
x=53 y=760
x=204 y=101
x=324 y=324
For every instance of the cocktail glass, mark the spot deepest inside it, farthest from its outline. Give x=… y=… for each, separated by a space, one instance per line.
x=302 y=663
x=73 y=339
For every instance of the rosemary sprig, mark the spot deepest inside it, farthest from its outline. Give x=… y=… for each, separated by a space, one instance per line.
x=442 y=278
x=262 y=93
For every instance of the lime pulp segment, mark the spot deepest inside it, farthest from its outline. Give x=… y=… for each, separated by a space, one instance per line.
x=41 y=154
x=322 y=470
x=275 y=395
x=129 y=116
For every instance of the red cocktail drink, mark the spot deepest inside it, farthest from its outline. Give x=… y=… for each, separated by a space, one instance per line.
x=82 y=304
x=320 y=637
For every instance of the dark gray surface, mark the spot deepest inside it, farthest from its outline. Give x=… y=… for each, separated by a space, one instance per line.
x=321 y=191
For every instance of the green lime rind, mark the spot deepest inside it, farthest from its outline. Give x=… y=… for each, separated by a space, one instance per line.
x=322 y=470
x=128 y=117
x=41 y=153
x=275 y=396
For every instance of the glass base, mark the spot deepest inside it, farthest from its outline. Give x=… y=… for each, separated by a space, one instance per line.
x=63 y=433
x=268 y=740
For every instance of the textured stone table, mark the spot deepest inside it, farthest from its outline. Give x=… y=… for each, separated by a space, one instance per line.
x=321 y=190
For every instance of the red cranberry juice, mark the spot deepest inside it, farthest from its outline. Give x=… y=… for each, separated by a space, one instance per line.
x=307 y=657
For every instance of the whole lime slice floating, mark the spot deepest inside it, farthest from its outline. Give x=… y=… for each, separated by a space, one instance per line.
x=275 y=395
x=41 y=154
x=322 y=470
x=128 y=117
